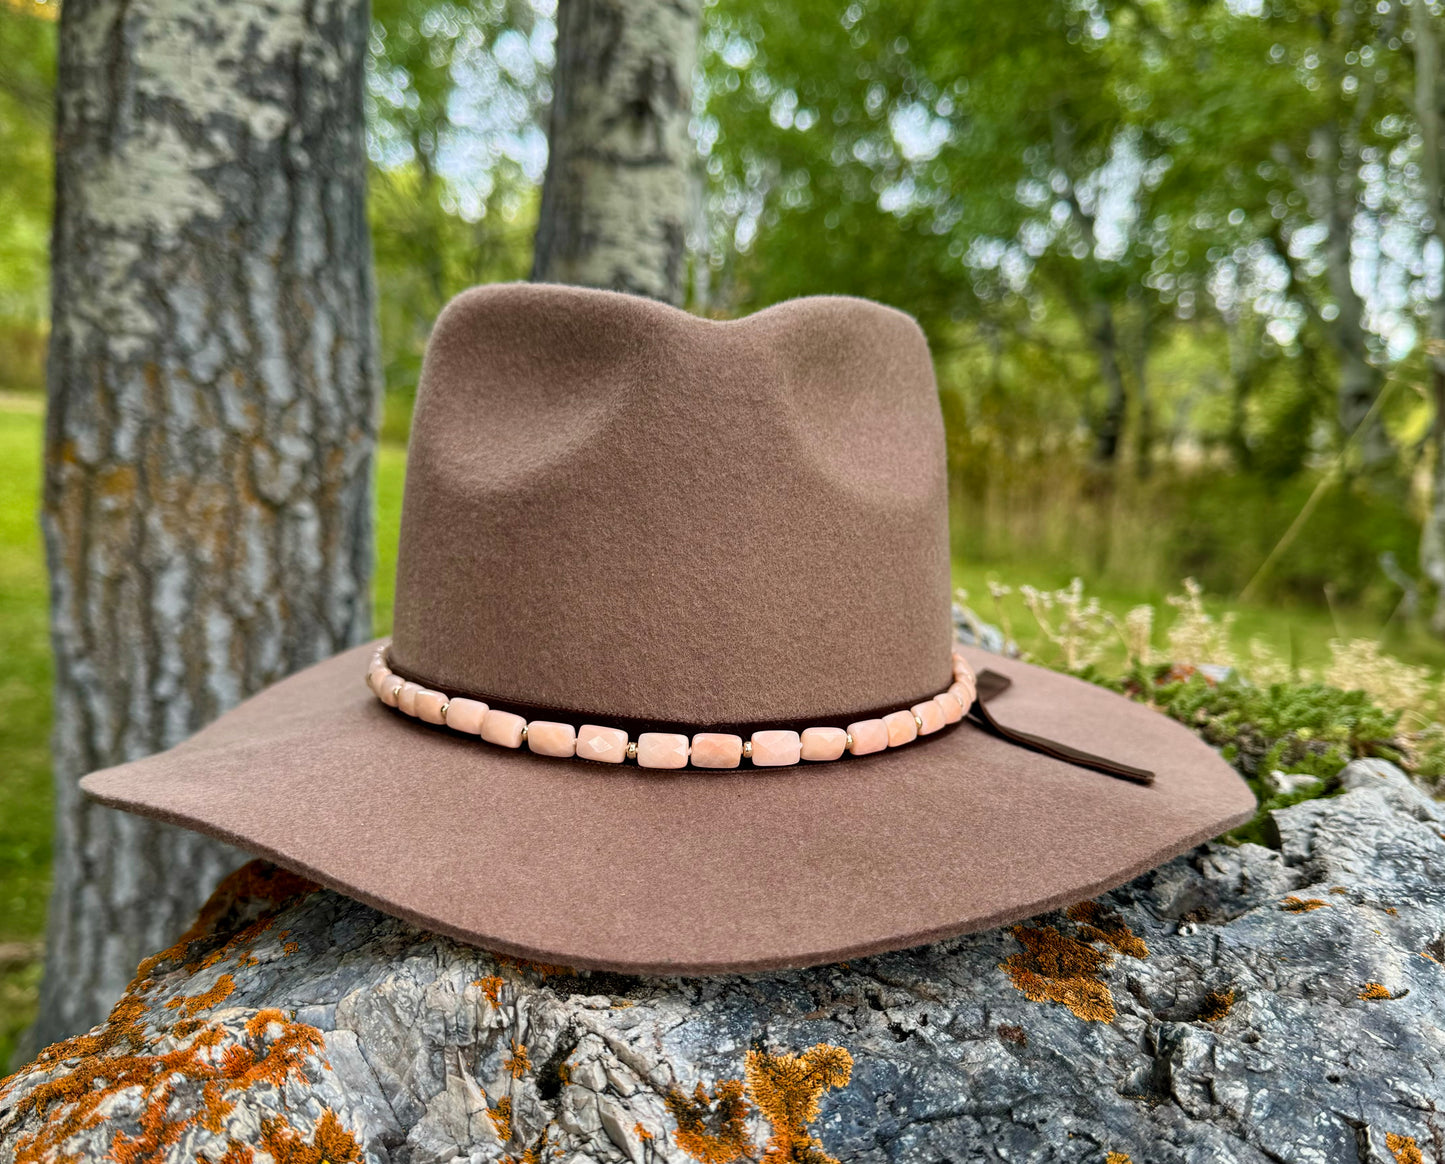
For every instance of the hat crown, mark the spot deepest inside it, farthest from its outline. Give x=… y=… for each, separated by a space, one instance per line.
x=614 y=508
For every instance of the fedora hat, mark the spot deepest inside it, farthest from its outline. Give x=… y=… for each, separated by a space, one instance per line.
x=673 y=686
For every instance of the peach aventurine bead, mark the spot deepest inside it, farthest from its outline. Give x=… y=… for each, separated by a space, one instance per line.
x=466 y=715
x=381 y=681
x=604 y=744
x=965 y=693
x=716 y=750
x=901 y=728
x=431 y=706
x=406 y=697
x=775 y=749
x=661 y=750
x=823 y=743
x=504 y=728
x=931 y=716
x=950 y=706
x=869 y=735
x=551 y=739
x=961 y=669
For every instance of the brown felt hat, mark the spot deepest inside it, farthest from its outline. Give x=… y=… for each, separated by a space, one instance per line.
x=620 y=514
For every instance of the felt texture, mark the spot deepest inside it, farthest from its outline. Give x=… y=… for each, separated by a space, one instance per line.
x=617 y=509
x=671 y=872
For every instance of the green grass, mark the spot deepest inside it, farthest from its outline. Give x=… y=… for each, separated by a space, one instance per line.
x=24 y=720
x=1299 y=632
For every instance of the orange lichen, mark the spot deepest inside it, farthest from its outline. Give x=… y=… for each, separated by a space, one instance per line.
x=712 y=1129
x=152 y=1064
x=1055 y=968
x=491 y=987
x=544 y=969
x=1118 y=1158
x=192 y=1005
x=1375 y=992
x=1216 y=1005
x=1339 y=889
x=1404 y=1149
x=501 y=1116
x=1293 y=904
x=786 y=1089
x=1098 y=924
x=641 y=1133
x=519 y=1062
x=332 y=1143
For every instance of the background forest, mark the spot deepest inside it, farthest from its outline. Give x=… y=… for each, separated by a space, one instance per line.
x=1180 y=263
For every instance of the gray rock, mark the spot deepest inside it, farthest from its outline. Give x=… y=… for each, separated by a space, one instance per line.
x=1237 y=1004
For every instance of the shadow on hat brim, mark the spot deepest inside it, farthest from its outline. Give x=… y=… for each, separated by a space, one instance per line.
x=616 y=868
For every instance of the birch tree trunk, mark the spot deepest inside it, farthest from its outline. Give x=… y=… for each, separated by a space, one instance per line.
x=212 y=416
x=615 y=198
x=1429 y=112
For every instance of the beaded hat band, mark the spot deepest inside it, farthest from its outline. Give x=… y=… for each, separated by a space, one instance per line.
x=770 y=748
x=611 y=745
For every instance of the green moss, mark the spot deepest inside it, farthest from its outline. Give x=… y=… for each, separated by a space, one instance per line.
x=1304 y=730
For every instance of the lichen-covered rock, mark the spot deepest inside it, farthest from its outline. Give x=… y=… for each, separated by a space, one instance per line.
x=1237 y=1004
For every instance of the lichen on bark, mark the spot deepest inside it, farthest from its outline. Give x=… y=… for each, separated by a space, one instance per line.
x=212 y=414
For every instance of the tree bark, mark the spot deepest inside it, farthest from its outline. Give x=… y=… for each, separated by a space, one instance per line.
x=615 y=198
x=212 y=417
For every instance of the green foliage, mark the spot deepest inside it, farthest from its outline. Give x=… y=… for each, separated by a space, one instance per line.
x=1309 y=731
x=451 y=109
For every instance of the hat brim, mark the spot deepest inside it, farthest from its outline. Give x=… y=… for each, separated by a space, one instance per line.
x=618 y=868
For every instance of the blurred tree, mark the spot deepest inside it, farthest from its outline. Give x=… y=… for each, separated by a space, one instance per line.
x=27 y=82
x=212 y=380
x=615 y=199
x=1289 y=118
x=982 y=161
x=454 y=97
x=1429 y=109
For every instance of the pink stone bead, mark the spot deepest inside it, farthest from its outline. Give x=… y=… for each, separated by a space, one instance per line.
x=775 y=749
x=961 y=669
x=381 y=680
x=869 y=735
x=608 y=745
x=901 y=728
x=502 y=727
x=406 y=699
x=551 y=739
x=716 y=750
x=388 y=690
x=429 y=705
x=661 y=750
x=965 y=693
x=931 y=715
x=823 y=743
x=950 y=706
x=465 y=715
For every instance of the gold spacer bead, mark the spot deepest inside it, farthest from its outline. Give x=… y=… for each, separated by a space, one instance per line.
x=443 y=712
x=918 y=719
x=524 y=733
x=632 y=749
x=396 y=691
x=747 y=749
x=848 y=741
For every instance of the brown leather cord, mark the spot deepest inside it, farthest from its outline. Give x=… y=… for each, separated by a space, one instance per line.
x=991 y=685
